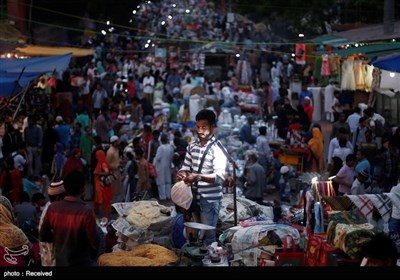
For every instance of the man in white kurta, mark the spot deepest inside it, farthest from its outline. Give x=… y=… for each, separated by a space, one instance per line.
x=148 y=87
x=162 y=162
x=329 y=90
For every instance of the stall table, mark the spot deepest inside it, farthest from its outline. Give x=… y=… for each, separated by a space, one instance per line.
x=295 y=156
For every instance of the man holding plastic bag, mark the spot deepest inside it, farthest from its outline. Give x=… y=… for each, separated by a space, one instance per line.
x=204 y=171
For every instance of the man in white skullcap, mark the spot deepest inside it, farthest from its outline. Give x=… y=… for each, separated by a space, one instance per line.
x=284 y=187
x=56 y=188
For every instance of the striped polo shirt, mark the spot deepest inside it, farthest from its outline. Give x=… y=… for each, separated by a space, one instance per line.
x=214 y=163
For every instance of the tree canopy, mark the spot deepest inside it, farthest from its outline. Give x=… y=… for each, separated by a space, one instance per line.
x=309 y=17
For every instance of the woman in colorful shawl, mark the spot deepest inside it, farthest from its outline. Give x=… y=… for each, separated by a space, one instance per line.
x=14 y=245
x=103 y=194
x=316 y=145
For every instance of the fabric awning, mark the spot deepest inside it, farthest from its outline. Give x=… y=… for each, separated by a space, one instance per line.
x=35 y=50
x=214 y=47
x=15 y=74
x=389 y=62
x=371 y=50
x=9 y=85
x=370 y=33
x=35 y=64
x=331 y=40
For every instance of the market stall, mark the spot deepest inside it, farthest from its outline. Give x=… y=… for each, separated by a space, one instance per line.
x=338 y=226
x=294 y=156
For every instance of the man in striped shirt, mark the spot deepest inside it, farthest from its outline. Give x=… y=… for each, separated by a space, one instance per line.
x=207 y=182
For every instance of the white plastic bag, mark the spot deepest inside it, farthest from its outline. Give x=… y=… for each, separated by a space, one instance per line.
x=181 y=195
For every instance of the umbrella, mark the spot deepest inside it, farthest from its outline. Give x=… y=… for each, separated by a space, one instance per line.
x=389 y=62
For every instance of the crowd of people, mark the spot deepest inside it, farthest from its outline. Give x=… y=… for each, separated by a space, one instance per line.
x=110 y=124
x=128 y=115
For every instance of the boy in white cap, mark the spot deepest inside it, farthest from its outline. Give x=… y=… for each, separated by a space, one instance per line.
x=56 y=189
x=358 y=186
x=284 y=187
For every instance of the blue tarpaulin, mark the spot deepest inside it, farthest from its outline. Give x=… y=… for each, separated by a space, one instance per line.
x=8 y=86
x=10 y=70
x=388 y=63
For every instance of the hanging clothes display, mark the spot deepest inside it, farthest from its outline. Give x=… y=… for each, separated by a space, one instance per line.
x=368 y=77
x=318 y=191
x=375 y=84
x=317 y=68
x=359 y=74
x=334 y=64
x=376 y=78
x=348 y=79
x=325 y=68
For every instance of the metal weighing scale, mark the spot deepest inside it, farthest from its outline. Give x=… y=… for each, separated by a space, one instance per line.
x=194 y=248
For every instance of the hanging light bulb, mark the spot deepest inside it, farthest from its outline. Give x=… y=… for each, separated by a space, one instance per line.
x=314 y=180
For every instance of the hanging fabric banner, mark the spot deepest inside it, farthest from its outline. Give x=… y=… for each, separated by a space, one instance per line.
x=301 y=54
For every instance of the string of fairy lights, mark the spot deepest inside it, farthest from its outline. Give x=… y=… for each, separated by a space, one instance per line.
x=159 y=38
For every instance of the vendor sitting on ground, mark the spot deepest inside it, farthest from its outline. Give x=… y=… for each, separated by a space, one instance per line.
x=255 y=178
x=245 y=132
x=274 y=174
x=284 y=186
